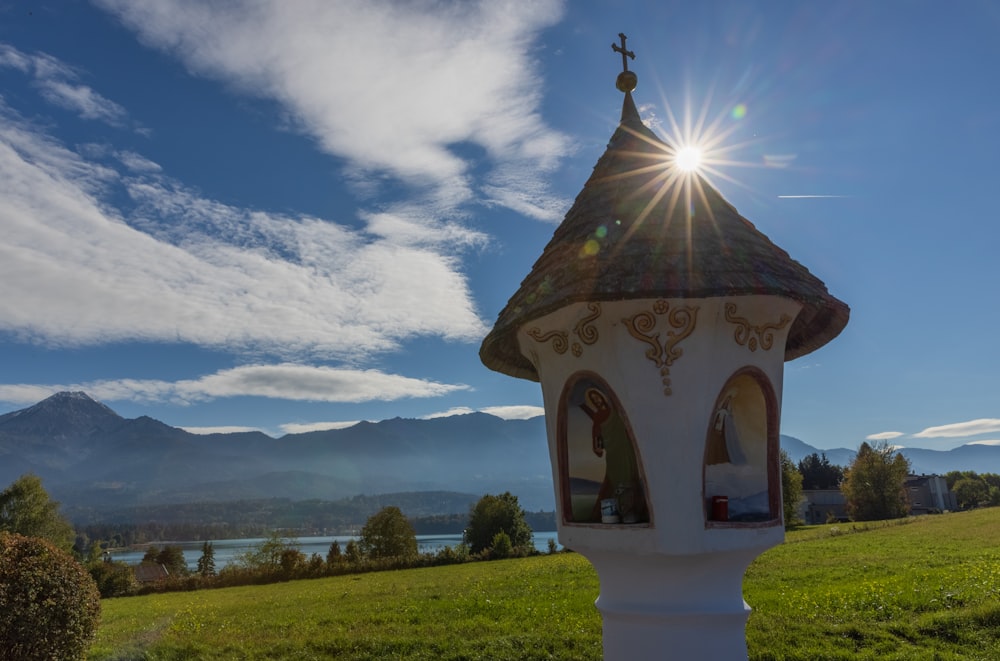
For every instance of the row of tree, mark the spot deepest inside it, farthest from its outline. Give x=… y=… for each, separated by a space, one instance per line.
x=243 y=519
x=497 y=529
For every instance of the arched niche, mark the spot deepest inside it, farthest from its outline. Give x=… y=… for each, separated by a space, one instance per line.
x=600 y=469
x=741 y=480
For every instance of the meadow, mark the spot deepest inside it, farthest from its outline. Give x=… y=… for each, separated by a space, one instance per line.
x=918 y=589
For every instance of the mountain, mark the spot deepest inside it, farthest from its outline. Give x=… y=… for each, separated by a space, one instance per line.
x=91 y=458
x=799 y=450
x=54 y=434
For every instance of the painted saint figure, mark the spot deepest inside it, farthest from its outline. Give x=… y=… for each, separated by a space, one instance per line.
x=610 y=439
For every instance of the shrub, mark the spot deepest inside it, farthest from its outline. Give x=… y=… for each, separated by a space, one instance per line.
x=501 y=546
x=49 y=604
x=113 y=579
x=493 y=514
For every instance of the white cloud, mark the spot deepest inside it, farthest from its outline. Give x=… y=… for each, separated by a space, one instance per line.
x=59 y=84
x=958 y=429
x=392 y=87
x=506 y=412
x=204 y=431
x=884 y=436
x=304 y=428
x=515 y=412
x=82 y=99
x=779 y=161
x=988 y=442
x=455 y=410
x=286 y=381
x=183 y=268
x=316 y=384
x=137 y=162
x=12 y=58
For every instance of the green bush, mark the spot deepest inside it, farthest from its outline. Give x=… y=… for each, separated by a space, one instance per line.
x=113 y=579
x=49 y=604
x=501 y=546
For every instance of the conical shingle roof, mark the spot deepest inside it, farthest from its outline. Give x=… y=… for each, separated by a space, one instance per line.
x=641 y=229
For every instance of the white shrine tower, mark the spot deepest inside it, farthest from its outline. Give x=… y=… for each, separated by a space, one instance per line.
x=657 y=321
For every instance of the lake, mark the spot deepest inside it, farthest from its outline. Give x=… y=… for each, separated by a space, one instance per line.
x=227 y=549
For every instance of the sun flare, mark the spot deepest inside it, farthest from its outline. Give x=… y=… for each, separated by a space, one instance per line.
x=689 y=158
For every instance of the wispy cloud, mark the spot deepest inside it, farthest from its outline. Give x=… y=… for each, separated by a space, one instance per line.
x=987 y=442
x=960 y=429
x=304 y=428
x=515 y=412
x=59 y=84
x=171 y=265
x=285 y=381
x=524 y=412
x=455 y=410
x=394 y=88
x=806 y=197
x=779 y=161
x=204 y=431
x=183 y=268
x=884 y=436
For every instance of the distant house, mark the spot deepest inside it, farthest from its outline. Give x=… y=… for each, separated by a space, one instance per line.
x=822 y=505
x=926 y=493
x=150 y=572
x=929 y=493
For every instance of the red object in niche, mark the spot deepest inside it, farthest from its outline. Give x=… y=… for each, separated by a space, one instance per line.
x=720 y=508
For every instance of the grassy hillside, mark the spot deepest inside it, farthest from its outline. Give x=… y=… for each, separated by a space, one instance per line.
x=929 y=589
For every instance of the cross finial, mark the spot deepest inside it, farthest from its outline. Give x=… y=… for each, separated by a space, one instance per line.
x=621 y=49
x=626 y=79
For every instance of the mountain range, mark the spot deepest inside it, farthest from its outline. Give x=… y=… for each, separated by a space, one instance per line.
x=89 y=456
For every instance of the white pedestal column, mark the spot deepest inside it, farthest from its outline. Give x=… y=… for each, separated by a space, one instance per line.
x=685 y=607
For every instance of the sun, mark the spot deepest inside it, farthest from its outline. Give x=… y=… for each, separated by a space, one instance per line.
x=688 y=158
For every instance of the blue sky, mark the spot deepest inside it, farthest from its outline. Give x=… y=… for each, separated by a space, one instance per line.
x=287 y=215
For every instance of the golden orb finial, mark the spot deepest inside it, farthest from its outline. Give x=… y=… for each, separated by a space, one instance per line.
x=627 y=80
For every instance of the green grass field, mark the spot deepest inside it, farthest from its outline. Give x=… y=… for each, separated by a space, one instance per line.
x=929 y=589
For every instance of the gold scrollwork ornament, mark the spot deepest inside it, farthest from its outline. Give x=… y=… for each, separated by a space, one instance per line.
x=560 y=339
x=745 y=331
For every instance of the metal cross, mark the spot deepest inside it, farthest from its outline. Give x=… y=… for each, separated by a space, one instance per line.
x=621 y=49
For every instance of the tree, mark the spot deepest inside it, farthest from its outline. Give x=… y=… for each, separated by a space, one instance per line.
x=26 y=509
x=971 y=492
x=292 y=561
x=388 y=534
x=791 y=490
x=113 y=579
x=172 y=557
x=494 y=514
x=874 y=484
x=351 y=552
x=818 y=473
x=150 y=555
x=206 y=563
x=334 y=557
x=267 y=557
x=49 y=604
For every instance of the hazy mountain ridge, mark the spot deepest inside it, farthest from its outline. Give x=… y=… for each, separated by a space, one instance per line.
x=91 y=457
